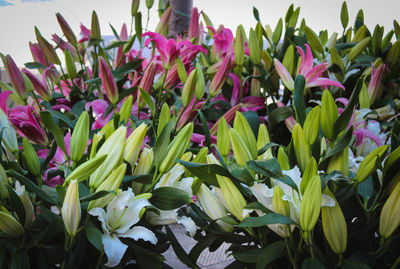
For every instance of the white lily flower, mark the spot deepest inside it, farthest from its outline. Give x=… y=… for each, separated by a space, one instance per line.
x=122 y=213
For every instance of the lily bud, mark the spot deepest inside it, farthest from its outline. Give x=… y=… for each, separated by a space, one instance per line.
x=9 y=137
x=188 y=88
x=223 y=143
x=200 y=86
x=267 y=60
x=201 y=156
x=71 y=209
x=213 y=207
x=108 y=81
x=3 y=183
x=262 y=141
x=26 y=202
x=70 y=65
x=394 y=53
x=334 y=225
x=311 y=170
x=114 y=148
x=339 y=162
x=80 y=137
x=66 y=29
x=181 y=70
x=134 y=7
x=112 y=183
x=84 y=170
x=162 y=26
x=165 y=117
x=221 y=76
x=145 y=162
x=280 y=206
x=239 y=148
x=239 y=47
x=147 y=81
x=310 y=205
x=301 y=148
x=283 y=159
x=254 y=47
x=16 y=78
x=311 y=125
x=255 y=83
x=149 y=3
x=390 y=215
x=47 y=48
x=39 y=86
x=9 y=225
x=329 y=115
x=368 y=165
x=177 y=147
x=30 y=157
x=126 y=110
x=242 y=126
x=96 y=139
x=357 y=49
x=288 y=59
x=95 y=27
x=232 y=196
x=108 y=129
x=134 y=144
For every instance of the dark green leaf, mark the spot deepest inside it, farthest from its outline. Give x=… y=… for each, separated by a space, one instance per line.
x=247 y=256
x=16 y=204
x=312 y=263
x=271 y=218
x=256 y=14
x=266 y=147
x=148 y=101
x=160 y=148
x=340 y=144
x=254 y=121
x=344 y=15
x=280 y=114
x=169 y=198
x=34 y=65
x=93 y=235
x=48 y=121
x=258 y=206
x=241 y=173
x=269 y=168
x=115 y=44
x=143 y=179
x=298 y=99
x=206 y=130
x=352 y=264
x=366 y=188
x=61 y=193
x=62 y=117
x=96 y=195
x=20 y=260
x=205 y=172
x=270 y=253
x=202 y=244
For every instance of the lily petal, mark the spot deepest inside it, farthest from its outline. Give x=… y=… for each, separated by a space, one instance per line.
x=139 y=232
x=114 y=249
x=324 y=82
x=285 y=76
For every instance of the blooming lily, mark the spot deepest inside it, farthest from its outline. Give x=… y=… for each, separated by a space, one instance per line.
x=121 y=214
x=310 y=73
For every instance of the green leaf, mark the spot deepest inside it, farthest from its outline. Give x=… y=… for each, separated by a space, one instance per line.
x=143 y=179
x=202 y=244
x=48 y=121
x=254 y=121
x=148 y=101
x=114 y=31
x=16 y=204
x=298 y=99
x=344 y=15
x=62 y=117
x=269 y=168
x=340 y=144
x=312 y=263
x=366 y=188
x=270 y=253
x=138 y=25
x=161 y=146
x=241 y=173
x=96 y=195
x=271 y=218
x=205 y=172
x=179 y=251
x=352 y=264
x=32 y=187
x=115 y=44
x=276 y=35
x=34 y=65
x=313 y=40
x=248 y=255
x=93 y=235
x=20 y=260
x=266 y=147
x=256 y=14
x=280 y=114
x=258 y=206
x=169 y=198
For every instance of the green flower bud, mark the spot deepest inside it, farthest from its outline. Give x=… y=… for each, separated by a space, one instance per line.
x=134 y=144
x=255 y=84
x=200 y=86
x=134 y=7
x=149 y=3
x=188 y=88
x=311 y=170
x=201 y=156
x=334 y=225
x=84 y=170
x=254 y=47
x=108 y=129
x=390 y=215
x=9 y=225
x=180 y=67
x=70 y=65
x=232 y=196
x=310 y=205
x=71 y=209
x=177 y=147
x=223 y=142
x=9 y=137
x=288 y=59
x=365 y=99
x=26 y=202
x=30 y=157
x=165 y=117
x=262 y=141
x=280 y=206
x=311 y=125
x=394 y=53
x=80 y=137
x=126 y=109
x=239 y=148
x=239 y=47
x=283 y=159
x=95 y=27
x=145 y=162
x=329 y=115
x=114 y=148
x=301 y=148
x=357 y=49
x=368 y=165
x=339 y=162
x=267 y=60
x=112 y=183
x=66 y=29
x=95 y=142
x=3 y=183
x=47 y=48
x=242 y=126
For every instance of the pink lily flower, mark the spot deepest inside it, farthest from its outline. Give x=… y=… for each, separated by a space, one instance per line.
x=37 y=54
x=3 y=100
x=24 y=121
x=40 y=87
x=221 y=76
x=85 y=33
x=189 y=112
x=16 y=78
x=108 y=81
x=223 y=42
x=99 y=109
x=201 y=139
x=374 y=86
x=167 y=48
x=289 y=122
x=311 y=74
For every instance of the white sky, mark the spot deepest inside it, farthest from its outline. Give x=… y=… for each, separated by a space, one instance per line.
x=18 y=19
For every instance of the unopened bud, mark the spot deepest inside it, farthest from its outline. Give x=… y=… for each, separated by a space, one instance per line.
x=71 y=209
x=390 y=215
x=329 y=115
x=301 y=148
x=310 y=205
x=223 y=142
x=30 y=157
x=134 y=144
x=311 y=125
x=368 y=165
x=80 y=137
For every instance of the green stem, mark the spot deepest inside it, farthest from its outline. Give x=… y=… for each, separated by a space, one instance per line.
x=291 y=258
x=99 y=260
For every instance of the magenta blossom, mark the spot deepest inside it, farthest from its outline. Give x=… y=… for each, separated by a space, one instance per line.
x=85 y=33
x=99 y=109
x=167 y=48
x=311 y=74
x=223 y=42
x=24 y=120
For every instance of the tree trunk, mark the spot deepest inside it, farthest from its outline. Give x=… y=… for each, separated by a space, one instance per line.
x=180 y=17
